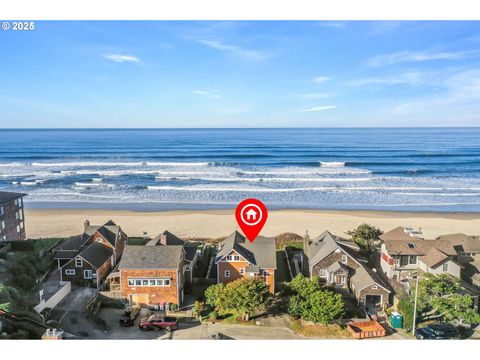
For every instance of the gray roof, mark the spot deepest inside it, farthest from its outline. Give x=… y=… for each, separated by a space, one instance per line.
x=326 y=243
x=151 y=257
x=96 y=254
x=6 y=196
x=363 y=277
x=73 y=244
x=190 y=252
x=261 y=251
x=170 y=239
x=336 y=266
x=109 y=232
x=252 y=269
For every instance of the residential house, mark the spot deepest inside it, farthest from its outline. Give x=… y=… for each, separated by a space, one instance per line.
x=12 y=217
x=336 y=262
x=191 y=255
x=152 y=275
x=404 y=252
x=87 y=259
x=239 y=258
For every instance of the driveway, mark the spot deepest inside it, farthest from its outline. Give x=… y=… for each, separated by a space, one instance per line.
x=71 y=314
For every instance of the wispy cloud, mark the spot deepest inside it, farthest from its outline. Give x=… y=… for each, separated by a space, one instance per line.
x=320 y=79
x=405 y=78
x=319 y=108
x=233 y=50
x=120 y=58
x=419 y=56
x=207 y=93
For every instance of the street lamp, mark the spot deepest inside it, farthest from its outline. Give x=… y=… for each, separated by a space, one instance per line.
x=415 y=304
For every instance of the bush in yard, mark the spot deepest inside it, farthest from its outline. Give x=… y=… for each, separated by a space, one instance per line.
x=311 y=303
x=405 y=307
x=213 y=315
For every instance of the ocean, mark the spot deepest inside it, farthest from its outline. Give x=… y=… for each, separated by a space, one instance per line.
x=415 y=169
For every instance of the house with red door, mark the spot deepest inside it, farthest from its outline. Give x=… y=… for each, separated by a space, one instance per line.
x=239 y=258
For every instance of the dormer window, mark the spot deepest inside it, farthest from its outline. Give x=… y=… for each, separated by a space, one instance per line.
x=344 y=259
x=411 y=245
x=229 y=258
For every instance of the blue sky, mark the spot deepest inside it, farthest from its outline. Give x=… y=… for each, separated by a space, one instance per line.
x=241 y=74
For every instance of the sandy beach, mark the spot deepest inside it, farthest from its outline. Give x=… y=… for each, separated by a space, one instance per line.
x=43 y=223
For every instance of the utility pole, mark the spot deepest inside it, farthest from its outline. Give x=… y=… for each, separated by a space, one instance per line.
x=415 y=305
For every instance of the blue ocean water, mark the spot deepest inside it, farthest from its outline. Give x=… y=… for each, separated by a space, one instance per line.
x=421 y=169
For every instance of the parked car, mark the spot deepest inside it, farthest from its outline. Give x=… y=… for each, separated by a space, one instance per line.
x=158 y=322
x=129 y=316
x=437 y=331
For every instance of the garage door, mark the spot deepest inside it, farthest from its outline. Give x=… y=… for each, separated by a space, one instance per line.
x=139 y=300
x=373 y=301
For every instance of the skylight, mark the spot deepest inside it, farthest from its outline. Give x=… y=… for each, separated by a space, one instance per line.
x=411 y=245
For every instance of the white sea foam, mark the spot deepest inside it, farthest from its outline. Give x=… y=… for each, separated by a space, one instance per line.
x=265 y=179
x=332 y=164
x=110 y=164
x=95 y=184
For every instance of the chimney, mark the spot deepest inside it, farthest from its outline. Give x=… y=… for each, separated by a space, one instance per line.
x=86 y=224
x=306 y=243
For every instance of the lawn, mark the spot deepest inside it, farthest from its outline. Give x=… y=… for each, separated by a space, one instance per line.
x=320 y=331
x=137 y=241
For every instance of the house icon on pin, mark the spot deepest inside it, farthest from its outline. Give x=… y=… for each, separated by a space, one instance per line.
x=251 y=214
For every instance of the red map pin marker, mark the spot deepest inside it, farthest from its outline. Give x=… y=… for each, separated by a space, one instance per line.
x=251 y=215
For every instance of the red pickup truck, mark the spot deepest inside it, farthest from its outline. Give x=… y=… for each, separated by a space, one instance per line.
x=158 y=322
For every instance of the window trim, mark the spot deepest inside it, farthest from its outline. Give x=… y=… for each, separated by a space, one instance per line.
x=77 y=262
x=69 y=272
x=158 y=282
x=85 y=272
x=344 y=256
x=242 y=271
x=226 y=273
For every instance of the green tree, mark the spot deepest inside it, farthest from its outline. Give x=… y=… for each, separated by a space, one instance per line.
x=4 y=298
x=245 y=296
x=309 y=302
x=366 y=236
x=213 y=294
x=438 y=296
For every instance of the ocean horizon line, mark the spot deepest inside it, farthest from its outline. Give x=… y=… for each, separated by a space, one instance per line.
x=242 y=128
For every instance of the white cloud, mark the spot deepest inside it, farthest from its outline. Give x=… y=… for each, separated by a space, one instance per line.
x=405 y=78
x=233 y=50
x=319 y=108
x=207 y=93
x=338 y=25
x=411 y=56
x=320 y=79
x=119 y=58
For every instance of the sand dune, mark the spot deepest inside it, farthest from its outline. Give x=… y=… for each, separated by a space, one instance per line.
x=41 y=223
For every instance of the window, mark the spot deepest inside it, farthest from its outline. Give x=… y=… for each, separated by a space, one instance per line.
x=17 y=215
x=242 y=271
x=78 y=262
x=18 y=228
x=3 y=224
x=2 y=210
x=374 y=287
x=187 y=268
x=70 y=272
x=229 y=258
x=323 y=273
x=265 y=273
x=412 y=259
x=227 y=273
x=344 y=259
x=236 y=258
x=87 y=274
x=445 y=267
x=411 y=245
x=148 y=282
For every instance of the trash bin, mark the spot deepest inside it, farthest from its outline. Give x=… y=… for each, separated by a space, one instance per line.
x=396 y=320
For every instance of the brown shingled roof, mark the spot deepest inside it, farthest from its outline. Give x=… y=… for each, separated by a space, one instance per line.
x=433 y=257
